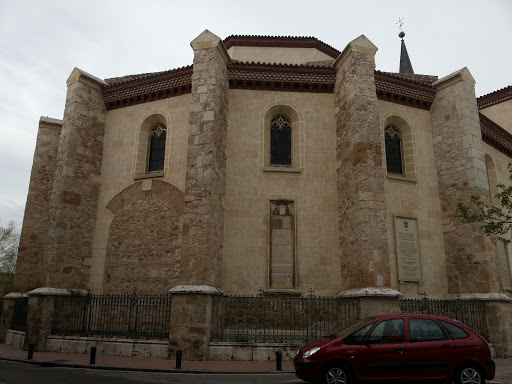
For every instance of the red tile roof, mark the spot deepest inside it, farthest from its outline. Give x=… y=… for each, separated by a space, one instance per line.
x=407 y=89
x=495 y=135
x=495 y=97
x=281 y=42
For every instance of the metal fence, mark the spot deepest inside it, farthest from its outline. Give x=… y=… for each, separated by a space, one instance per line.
x=291 y=320
x=131 y=316
x=19 y=316
x=471 y=313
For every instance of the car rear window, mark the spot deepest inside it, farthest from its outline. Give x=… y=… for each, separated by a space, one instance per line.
x=425 y=330
x=454 y=331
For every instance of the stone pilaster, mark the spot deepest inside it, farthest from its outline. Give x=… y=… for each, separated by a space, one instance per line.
x=35 y=222
x=498 y=313
x=471 y=261
x=41 y=304
x=75 y=191
x=375 y=301
x=7 y=313
x=360 y=170
x=191 y=320
x=203 y=220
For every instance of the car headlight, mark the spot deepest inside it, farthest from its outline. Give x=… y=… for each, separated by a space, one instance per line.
x=310 y=352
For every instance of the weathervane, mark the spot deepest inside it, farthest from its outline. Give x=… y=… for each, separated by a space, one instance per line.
x=400 y=23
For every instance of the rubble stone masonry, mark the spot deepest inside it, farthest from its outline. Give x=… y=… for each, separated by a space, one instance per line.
x=360 y=170
x=35 y=223
x=75 y=191
x=471 y=262
x=203 y=220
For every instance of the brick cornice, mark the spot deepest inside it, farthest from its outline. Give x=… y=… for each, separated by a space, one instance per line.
x=147 y=87
x=281 y=77
x=495 y=97
x=405 y=91
x=280 y=42
x=495 y=136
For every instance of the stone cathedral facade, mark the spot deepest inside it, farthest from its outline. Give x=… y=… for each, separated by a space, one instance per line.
x=272 y=163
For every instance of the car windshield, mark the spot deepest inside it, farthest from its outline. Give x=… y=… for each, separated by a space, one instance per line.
x=351 y=327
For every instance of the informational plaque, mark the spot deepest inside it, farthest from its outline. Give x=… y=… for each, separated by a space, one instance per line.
x=282 y=245
x=408 y=249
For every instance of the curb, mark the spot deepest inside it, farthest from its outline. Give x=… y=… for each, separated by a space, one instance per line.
x=128 y=369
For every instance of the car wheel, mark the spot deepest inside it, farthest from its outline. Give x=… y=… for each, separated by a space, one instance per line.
x=469 y=375
x=337 y=374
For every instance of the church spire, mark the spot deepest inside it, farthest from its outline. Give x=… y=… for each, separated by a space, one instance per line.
x=405 y=62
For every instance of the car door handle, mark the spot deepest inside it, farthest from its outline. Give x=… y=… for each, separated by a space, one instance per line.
x=445 y=346
x=401 y=350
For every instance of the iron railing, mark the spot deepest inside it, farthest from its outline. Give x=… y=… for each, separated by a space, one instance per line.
x=286 y=319
x=130 y=316
x=19 y=315
x=469 y=312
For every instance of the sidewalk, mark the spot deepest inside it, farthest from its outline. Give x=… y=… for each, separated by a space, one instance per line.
x=7 y=352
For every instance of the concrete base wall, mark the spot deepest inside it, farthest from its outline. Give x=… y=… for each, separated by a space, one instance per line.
x=15 y=338
x=250 y=351
x=108 y=347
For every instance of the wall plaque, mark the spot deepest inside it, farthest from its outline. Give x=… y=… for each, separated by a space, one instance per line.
x=282 y=245
x=408 y=249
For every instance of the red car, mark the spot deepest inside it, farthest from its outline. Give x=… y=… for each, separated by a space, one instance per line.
x=398 y=348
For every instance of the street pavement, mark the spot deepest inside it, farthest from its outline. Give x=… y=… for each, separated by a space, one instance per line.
x=57 y=359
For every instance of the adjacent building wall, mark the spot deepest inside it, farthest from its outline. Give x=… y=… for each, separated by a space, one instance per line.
x=501 y=114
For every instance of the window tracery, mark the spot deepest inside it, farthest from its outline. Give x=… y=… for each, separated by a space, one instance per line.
x=156 y=153
x=393 y=142
x=281 y=141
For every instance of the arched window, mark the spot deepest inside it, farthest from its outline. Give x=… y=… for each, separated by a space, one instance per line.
x=280 y=141
x=393 y=139
x=156 y=152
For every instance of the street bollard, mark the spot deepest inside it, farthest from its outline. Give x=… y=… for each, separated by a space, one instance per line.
x=279 y=357
x=30 y=351
x=93 y=356
x=178 y=359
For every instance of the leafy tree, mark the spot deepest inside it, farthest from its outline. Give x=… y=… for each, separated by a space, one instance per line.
x=494 y=220
x=9 y=240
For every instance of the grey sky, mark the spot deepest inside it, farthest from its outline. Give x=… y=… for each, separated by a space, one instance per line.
x=42 y=41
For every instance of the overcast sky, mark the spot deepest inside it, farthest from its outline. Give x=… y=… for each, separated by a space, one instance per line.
x=42 y=41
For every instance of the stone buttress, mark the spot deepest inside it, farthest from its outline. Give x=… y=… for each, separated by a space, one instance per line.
x=360 y=170
x=31 y=259
x=74 y=197
x=203 y=219
x=470 y=255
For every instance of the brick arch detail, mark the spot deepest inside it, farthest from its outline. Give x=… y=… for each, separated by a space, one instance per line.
x=144 y=239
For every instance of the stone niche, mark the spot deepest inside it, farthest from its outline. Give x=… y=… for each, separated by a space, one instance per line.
x=282 y=240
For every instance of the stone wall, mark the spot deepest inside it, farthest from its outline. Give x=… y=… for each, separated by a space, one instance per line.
x=36 y=221
x=360 y=170
x=144 y=240
x=416 y=195
x=74 y=199
x=471 y=259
